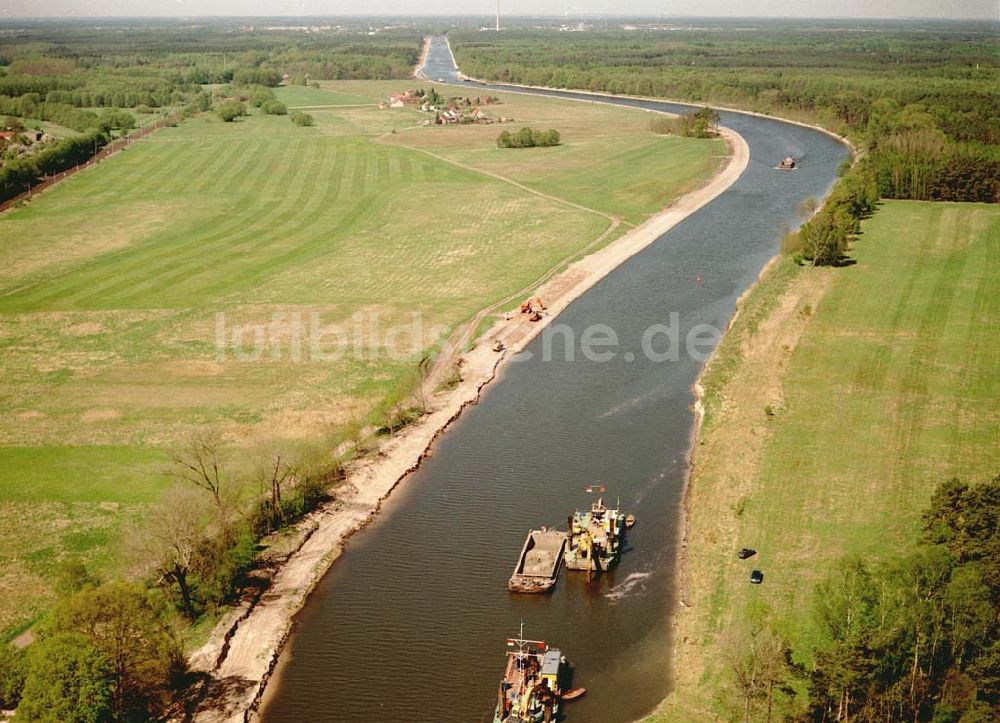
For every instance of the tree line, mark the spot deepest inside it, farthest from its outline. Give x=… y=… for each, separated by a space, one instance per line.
x=925 y=107
x=17 y=175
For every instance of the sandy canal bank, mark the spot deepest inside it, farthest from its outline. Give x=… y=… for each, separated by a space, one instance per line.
x=243 y=650
x=418 y=69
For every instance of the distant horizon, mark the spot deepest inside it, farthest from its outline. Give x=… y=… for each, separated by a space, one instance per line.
x=959 y=10
x=489 y=16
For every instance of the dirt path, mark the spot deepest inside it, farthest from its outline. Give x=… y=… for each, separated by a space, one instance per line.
x=240 y=656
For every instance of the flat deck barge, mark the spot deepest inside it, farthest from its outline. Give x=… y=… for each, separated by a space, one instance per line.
x=538 y=566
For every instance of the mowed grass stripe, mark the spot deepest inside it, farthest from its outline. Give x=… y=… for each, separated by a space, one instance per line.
x=126 y=261
x=221 y=259
x=141 y=266
x=324 y=191
x=979 y=359
x=923 y=368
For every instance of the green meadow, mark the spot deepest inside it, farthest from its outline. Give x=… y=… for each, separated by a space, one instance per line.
x=117 y=284
x=891 y=389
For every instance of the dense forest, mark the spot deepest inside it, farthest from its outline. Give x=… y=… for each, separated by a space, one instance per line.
x=80 y=77
x=925 y=106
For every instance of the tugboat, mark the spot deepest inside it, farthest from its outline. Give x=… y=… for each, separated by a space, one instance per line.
x=787 y=164
x=595 y=536
x=530 y=691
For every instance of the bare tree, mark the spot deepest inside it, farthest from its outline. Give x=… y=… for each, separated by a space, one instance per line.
x=173 y=531
x=199 y=463
x=421 y=375
x=273 y=473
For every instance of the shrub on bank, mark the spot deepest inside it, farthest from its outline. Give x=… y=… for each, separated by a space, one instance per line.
x=230 y=110
x=274 y=107
x=702 y=123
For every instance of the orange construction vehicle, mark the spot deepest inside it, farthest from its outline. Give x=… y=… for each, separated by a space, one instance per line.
x=534 y=304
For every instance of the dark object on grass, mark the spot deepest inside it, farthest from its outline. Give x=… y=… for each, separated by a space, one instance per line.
x=745 y=553
x=756 y=577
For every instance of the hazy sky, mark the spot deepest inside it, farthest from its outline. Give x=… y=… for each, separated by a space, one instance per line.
x=954 y=9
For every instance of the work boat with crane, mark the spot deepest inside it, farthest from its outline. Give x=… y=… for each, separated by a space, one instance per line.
x=531 y=689
x=595 y=536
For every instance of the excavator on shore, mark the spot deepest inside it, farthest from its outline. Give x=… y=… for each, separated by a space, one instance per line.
x=533 y=307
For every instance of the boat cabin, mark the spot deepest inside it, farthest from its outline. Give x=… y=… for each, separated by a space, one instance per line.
x=551 y=660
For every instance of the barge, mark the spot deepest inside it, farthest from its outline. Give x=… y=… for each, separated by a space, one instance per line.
x=538 y=566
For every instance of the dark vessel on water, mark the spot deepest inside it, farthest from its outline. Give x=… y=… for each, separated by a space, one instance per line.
x=595 y=537
x=531 y=691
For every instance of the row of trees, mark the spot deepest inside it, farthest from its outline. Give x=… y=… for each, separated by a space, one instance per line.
x=825 y=237
x=528 y=138
x=64 y=115
x=18 y=174
x=121 y=98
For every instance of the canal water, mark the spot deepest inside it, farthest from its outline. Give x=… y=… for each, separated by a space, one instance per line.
x=409 y=626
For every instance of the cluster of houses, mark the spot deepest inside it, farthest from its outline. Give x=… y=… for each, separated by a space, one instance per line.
x=15 y=143
x=30 y=134
x=447 y=111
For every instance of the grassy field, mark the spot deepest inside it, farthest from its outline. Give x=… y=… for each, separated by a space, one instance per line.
x=116 y=284
x=837 y=402
x=608 y=160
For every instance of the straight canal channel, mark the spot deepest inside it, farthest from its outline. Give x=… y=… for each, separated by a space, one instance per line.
x=409 y=625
